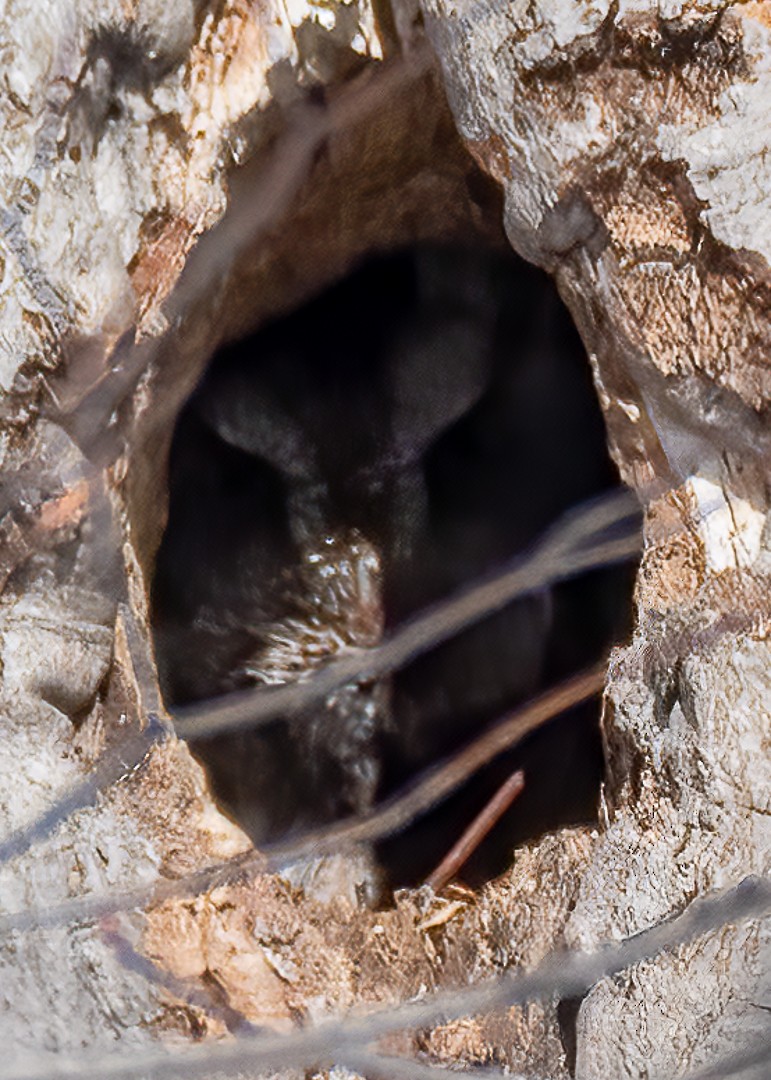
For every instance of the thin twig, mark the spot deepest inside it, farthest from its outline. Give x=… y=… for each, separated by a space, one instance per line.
x=388 y=818
x=470 y=839
x=557 y=556
x=563 y=974
x=563 y=552
x=274 y=184
x=439 y=782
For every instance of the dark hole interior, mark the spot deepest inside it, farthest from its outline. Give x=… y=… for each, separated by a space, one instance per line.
x=402 y=434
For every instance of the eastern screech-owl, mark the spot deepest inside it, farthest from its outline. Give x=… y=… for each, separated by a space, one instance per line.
x=332 y=538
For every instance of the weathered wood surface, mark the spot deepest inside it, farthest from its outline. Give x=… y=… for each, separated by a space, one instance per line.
x=631 y=143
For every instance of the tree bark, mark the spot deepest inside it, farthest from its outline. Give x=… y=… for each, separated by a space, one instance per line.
x=630 y=146
x=172 y=180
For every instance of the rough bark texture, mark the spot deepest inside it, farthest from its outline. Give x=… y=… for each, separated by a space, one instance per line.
x=630 y=140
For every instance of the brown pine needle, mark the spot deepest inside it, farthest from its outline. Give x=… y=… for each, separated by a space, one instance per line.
x=399 y=811
x=474 y=834
x=385 y=820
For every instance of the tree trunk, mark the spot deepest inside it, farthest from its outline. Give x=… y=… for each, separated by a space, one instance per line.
x=176 y=175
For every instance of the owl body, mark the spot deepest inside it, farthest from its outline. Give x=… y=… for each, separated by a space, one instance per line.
x=335 y=539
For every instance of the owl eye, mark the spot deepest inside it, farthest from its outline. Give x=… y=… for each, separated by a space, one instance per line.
x=246 y=413
x=440 y=370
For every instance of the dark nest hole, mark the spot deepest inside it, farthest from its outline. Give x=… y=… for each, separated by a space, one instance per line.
x=407 y=431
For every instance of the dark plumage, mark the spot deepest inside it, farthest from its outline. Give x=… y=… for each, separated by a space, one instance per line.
x=313 y=467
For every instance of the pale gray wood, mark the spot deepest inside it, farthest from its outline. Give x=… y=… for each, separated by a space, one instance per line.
x=631 y=142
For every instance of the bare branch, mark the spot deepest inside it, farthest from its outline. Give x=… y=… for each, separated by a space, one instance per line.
x=559 y=555
x=563 y=974
x=562 y=553
x=384 y=820
x=264 y=200
x=443 y=779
